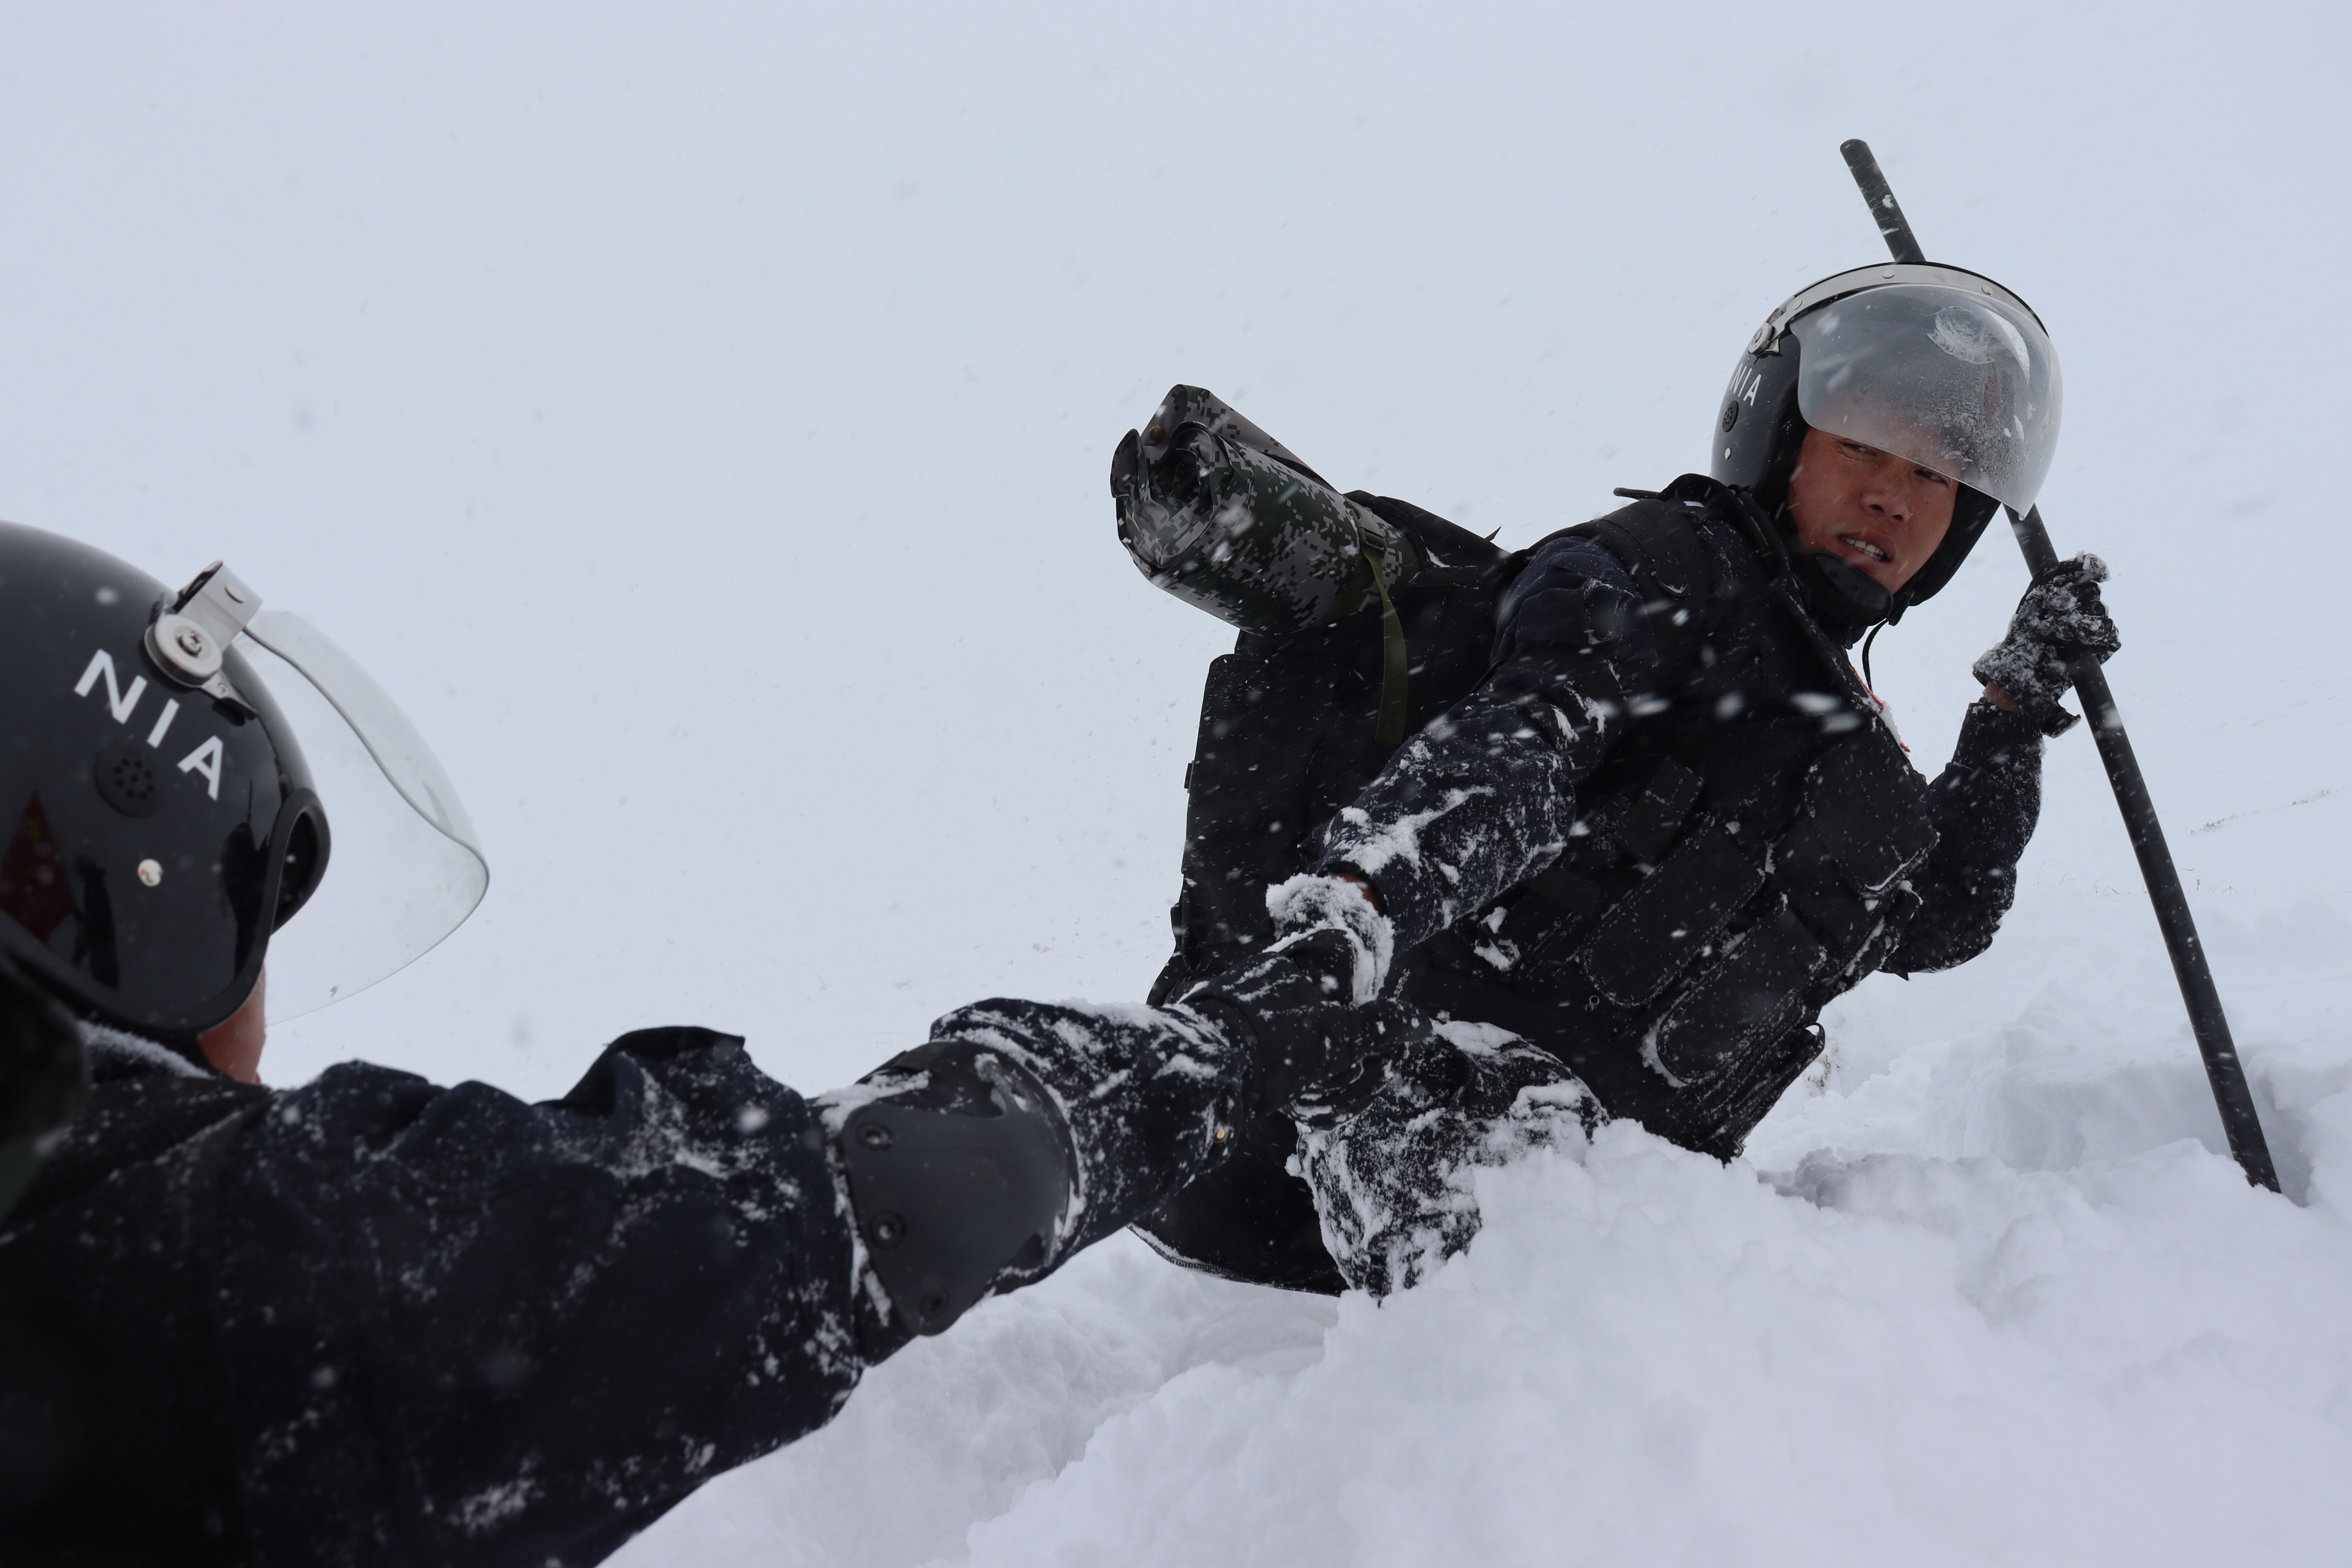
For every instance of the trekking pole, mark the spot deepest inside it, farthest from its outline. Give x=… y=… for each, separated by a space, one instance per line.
x=2211 y=1027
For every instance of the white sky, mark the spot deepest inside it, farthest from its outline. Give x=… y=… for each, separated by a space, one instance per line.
x=699 y=415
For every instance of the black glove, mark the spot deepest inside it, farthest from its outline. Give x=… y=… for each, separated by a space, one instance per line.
x=2059 y=617
x=1316 y=1054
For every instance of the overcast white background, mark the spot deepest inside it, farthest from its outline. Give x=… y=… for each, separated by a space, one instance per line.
x=698 y=416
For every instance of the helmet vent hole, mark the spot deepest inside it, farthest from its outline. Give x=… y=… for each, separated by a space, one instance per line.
x=126 y=780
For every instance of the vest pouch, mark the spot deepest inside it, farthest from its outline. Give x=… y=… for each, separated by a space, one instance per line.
x=1818 y=889
x=1754 y=994
x=1864 y=826
x=1653 y=817
x=1869 y=805
x=1659 y=927
x=1715 y=1118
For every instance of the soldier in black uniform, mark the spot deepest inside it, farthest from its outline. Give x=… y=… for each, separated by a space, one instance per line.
x=373 y=1320
x=1645 y=816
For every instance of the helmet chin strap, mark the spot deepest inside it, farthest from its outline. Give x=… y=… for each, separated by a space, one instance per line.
x=1845 y=598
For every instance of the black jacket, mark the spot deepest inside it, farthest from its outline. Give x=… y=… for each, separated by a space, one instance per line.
x=1498 y=835
x=371 y=1320
x=1549 y=688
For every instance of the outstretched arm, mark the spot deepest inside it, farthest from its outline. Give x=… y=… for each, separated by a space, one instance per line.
x=1483 y=798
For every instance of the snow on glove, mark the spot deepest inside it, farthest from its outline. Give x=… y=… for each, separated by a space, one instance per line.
x=2059 y=617
x=1310 y=902
x=1315 y=1054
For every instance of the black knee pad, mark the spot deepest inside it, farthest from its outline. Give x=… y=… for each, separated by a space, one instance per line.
x=959 y=1183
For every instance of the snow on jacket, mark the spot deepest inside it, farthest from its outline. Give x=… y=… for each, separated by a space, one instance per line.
x=1541 y=688
x=372 y=1320
x=1474 y=827
x=1485 y=797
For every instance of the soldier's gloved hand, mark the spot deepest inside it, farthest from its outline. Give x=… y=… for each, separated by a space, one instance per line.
x=2059 y=617
x=1315 y=1054
x=1316 y=902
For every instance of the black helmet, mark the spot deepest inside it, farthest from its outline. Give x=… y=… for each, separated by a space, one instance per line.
x=160 y=819
x=1939 y=366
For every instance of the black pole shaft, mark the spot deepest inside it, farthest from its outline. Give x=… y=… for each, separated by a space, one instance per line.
x=2206 y=1020
x=2227 y=1074
x=1891 y=223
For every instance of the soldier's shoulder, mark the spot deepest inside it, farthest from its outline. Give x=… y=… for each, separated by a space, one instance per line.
x=1445 y=545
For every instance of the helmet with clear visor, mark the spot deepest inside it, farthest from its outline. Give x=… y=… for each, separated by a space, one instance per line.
x=1938 y=365
x=161 y=791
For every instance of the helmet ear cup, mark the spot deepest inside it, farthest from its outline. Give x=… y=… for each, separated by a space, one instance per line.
x=1757 y=427
x=302 y=859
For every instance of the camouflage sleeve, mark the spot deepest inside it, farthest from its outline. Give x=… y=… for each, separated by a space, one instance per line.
x=1984 y=805
x=1483 y=798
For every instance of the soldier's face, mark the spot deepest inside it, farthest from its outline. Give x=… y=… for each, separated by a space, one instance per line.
x=1878 y=512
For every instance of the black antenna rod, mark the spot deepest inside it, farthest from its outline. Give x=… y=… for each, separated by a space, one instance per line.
x=2206 y=1020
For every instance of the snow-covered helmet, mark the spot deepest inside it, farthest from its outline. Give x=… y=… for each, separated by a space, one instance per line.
x=1939 y=366
x=158 y=818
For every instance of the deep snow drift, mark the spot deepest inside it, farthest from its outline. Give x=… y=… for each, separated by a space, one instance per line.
x=1987 y=1294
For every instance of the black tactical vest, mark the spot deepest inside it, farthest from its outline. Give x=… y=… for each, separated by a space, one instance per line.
x=1286 y=735
x=1729 y=876
x=1721 y=888
x=115 y=1445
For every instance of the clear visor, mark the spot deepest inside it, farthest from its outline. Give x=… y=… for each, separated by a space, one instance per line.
x=1957 y=381
x=404 y=867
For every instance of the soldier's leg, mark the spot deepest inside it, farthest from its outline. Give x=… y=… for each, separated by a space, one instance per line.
x=1393 y=1182
x=1388 y=1148
x=1021 y=1133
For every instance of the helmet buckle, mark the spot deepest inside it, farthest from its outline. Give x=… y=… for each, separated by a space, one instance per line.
x=191 y=633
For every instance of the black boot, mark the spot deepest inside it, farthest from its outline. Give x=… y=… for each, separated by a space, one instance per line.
x=1020 y=1134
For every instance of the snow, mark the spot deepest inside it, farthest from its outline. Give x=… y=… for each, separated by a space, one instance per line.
x=1986 y=1294
x=699 y=422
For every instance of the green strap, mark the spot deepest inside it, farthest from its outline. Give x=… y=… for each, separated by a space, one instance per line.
x=1390 y=731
